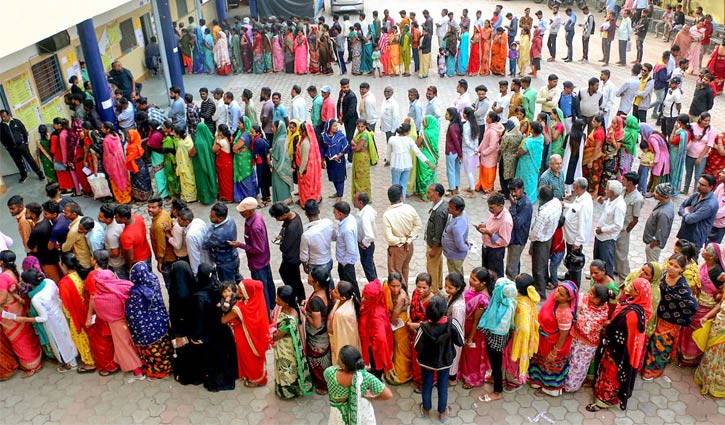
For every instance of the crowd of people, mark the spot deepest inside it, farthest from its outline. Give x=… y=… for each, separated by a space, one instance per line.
x=87 y=294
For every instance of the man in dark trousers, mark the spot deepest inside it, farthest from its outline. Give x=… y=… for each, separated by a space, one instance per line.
x=347 y=110
x=14 y=136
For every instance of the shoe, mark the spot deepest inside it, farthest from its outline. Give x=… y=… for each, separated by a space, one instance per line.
x=568 y=60
x=41 y=176
x=22 y=179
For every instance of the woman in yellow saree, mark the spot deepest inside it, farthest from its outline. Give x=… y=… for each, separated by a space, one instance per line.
x=184 y=168
x=396 y=295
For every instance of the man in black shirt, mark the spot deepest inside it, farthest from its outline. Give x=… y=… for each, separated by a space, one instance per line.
x=437 y=219
x=39 y=240
x=425 y=55
x=208 y=107
x=289 y=239
x=14 y=136
x=123 y=79
x=703 y=98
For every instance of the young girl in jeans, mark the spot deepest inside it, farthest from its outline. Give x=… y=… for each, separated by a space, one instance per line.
x=436 y=344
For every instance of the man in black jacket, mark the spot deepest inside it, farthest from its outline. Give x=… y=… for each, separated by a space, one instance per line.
x=347 y=108
x=14 y=137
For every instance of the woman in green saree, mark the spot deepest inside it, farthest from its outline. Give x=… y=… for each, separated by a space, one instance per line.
x=428 y=144
x=245 y=179
x=412 y=184
x=46 y=157
x=204 y=168
x=557 y=129
x=405 y=53
x=291 y=373
x=282 y=183
x=360 y=145
x=169 y=149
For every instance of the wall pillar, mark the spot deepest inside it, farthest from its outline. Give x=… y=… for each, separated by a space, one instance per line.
x=96 y=73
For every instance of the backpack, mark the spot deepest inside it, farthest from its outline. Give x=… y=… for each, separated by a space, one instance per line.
x=373 y=150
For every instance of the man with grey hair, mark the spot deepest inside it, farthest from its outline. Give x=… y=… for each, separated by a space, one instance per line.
x=554 y=177
x=659 y=223
x=610 y=224
x=634 y=201
x=578 y=222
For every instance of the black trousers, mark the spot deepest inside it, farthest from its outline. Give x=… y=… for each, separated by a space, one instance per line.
x=571 y=274
x=492 y=259
x=290 y=274
x=540 y=265
x=368 y=262
x=551 y=45
x=347 y=273
x=22 y=152
x=495 y=358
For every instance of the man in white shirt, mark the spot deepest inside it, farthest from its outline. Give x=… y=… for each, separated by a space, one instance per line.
x=316 y=242
x=633 y=201
x=345 y=236
x=609 y=95
x=578 y=223
x=368 y=109
x=298 y=108
x=389 y=115
x=542 y=230
x=434 y=106
x=195 y=231
x=220 y=113
x=463 y=100
x=112 y=241
x=402 y=226
x=442 y=26
x=624 y=32
x=501 y=105
x=366 y=234
x=555 y=23
x=628 y=90
x=610 y=224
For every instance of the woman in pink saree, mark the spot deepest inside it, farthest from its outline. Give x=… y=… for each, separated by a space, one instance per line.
x=277 y=53
x=221 y=51
x=300 y=53
x=309 y=165
x=383 y=45
x=114 y=164
x=697 y=33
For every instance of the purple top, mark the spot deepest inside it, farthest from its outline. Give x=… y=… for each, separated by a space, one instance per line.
x=255 y=243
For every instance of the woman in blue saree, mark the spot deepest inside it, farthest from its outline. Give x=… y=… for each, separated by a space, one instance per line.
x=678 y=142
x=198 y=51
x=245 y=179
x=208 y=48
x=463 y=51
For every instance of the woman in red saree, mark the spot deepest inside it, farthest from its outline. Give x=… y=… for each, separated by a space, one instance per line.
x=422 y=295
x=499 y=52
x=80 y=153
x=248 y=318
x=309 y=165
x=550 y=364
x=474 y=59
x=19 y=345
x=99 y=334
x=61 y=156
x=486 y=38
x=716 y=65
x=224 y=163
x=716 y=156
x=375 y=330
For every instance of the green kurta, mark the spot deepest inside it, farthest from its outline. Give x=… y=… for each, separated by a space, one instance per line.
x=204 y=167
x=282 y=182
x=169 y=147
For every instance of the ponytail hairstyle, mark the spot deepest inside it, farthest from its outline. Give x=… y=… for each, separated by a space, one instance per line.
x=395 y=276
x=455 y=280
x=602 y=293
x=684 y=120
x=8 y=258
x=43 y=131
x=70 y=261
x=686 y=248
x=347 y=291
x=287 y=294
x=523 y=282
x=32 y=277
x=470 y=116
x=484 y=276
x=322 y=277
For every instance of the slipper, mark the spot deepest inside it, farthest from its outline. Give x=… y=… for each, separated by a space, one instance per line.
x=84 y=369
x=486 y=398
x=64 y=368
x=593 y=407
x=105 y=373
x=29 y=373
x=511 y=389
x=250 y=384
x=447 y=412
x=467 y=386
x=422 y=411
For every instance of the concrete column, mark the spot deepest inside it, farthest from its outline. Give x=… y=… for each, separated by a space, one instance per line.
x=96 y=73
x=170 y=51
x=221 y=9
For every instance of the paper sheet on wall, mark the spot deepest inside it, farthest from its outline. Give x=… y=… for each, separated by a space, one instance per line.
x=139 y=37
x=19 y=90
x=114 y=34
x=52 y=109
x=28 y=114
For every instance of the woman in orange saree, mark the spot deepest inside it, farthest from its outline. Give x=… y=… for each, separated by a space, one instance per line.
x=486 y=38
x=499 y=52
x=474 y=59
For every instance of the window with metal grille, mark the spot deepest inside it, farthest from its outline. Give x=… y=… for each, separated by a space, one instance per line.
x=48 y=78
x=128 y=37
x=181 y=8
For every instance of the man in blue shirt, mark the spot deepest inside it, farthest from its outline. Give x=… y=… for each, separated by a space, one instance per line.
x=415 y=110
x=698 y=212
x=279 y=112
x=222 y=230
x=569 y=105
x=234 y=111
x=569 y=27
x=521 y=212
x=346 y=249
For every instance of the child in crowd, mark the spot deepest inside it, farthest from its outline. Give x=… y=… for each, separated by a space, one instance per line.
x=646 y=161
x=556 y=254
x=376 y=62
x=441 y=62
x=513 y=58
x=229 y=297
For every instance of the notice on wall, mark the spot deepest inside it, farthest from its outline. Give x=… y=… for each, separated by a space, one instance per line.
x=114 y=34
x=52 y=109
x=19 y=90
x=29 y=115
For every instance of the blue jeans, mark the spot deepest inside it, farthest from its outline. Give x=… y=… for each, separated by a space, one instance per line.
x=690 y=166
x=341 y=62
x=554 y=262
x=264 y=275
x=453 y=171
x=512 y=67
x=400 y=177
x=643 y=178
x=442 y=385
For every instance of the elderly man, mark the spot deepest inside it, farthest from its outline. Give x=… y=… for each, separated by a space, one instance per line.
x=659 y=224
x=222 y=232
x=496 y=234
x=698 y=212
x=256 y=245
x=76 y=240
x=578 y=224
x=521 y=212
x=389 y=114
x=610 y=224
x=437 y=219
x=542 y=230
x=634 y=201
x=554 y=177
x=402 y=226
x=346 y=248
x=455 y=236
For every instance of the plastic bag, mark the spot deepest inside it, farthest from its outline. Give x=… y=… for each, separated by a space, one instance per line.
x=99 y=185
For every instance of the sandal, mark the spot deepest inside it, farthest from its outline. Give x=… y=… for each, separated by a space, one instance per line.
x=423 y=413
x=593 y=407
x=29 y=373
x=467 y=386
x=249 y=384
x=64 y=368
x=84 y=369
x=105 y=373
x=442 y=418
x=486 y=398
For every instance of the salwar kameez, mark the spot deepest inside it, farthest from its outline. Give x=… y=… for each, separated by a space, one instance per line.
x=245 y=179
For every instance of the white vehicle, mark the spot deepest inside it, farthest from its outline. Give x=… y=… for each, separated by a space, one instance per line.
x=346 y=6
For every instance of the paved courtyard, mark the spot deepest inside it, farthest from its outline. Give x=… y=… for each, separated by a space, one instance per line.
x=50 y=397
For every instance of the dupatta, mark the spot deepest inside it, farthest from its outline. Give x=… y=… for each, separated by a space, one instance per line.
x=281 y=163
x=631 y=134
x=374 y=326
x=499 y=316
x=111 y=296
x=72 y=299
x=431 y=134
x=134 y=150
x=252 y=313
